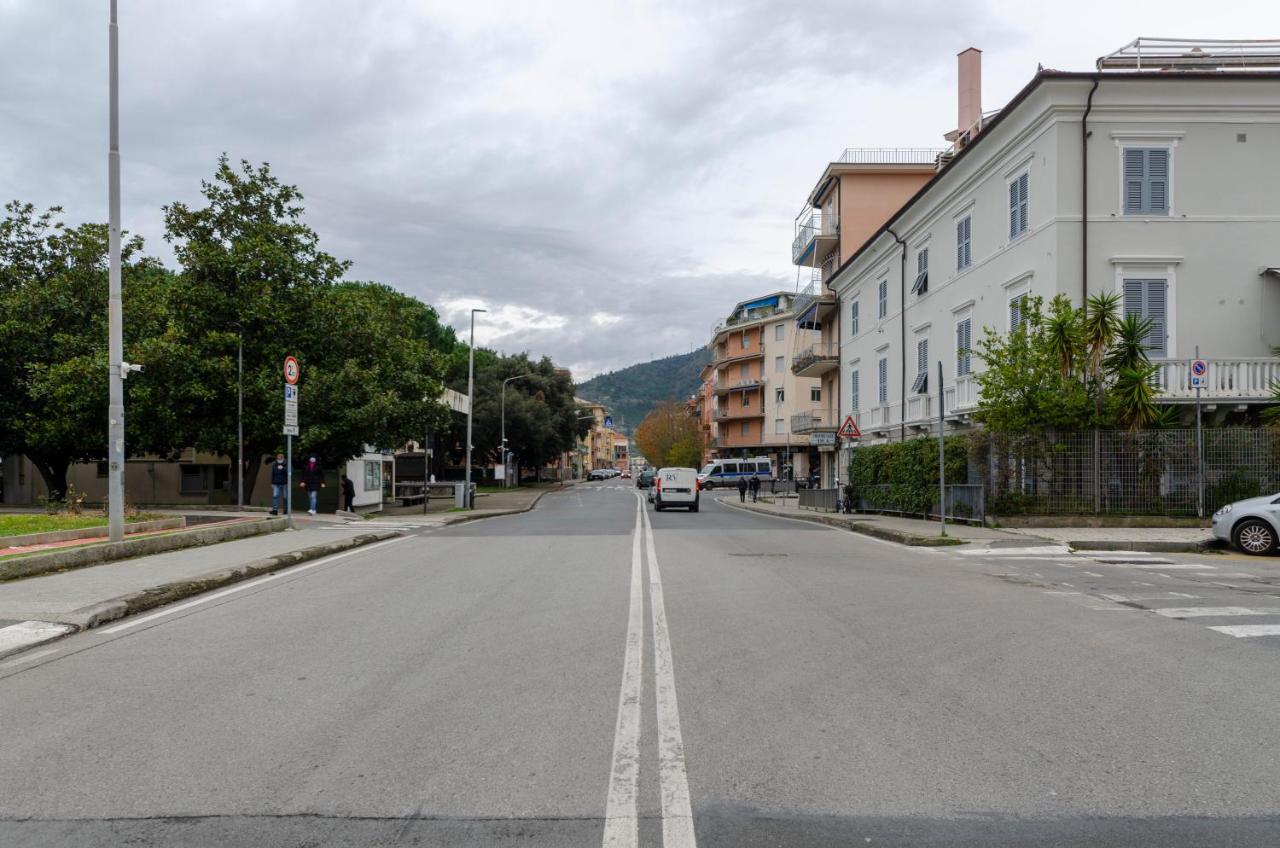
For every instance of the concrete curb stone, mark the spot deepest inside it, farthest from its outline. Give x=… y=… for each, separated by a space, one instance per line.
x=869 y=529
x=90 y=532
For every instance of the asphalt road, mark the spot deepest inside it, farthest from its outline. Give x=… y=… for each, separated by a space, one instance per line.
x=536 y=680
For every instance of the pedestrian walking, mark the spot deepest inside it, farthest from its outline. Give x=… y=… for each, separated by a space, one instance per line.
x=279 y=483
x=312 y=478
x=742 y=489
x=348 y=494
x=755 y=488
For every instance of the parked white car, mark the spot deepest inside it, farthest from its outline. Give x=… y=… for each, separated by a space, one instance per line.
x=676 y=487
x=1252 y=525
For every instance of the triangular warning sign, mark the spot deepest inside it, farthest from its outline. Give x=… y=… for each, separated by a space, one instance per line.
x=849 y=429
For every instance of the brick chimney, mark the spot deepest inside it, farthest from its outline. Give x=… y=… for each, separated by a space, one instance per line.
x=969 y=90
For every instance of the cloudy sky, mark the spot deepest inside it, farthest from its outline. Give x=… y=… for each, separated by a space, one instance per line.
x=607 y=178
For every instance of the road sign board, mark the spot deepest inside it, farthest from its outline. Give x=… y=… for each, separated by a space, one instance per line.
x=291 y=370
x=822 y=438
x=608 y=421
x=290 y=409
x=849 y=429
x=1199 y=374
x=290 y=430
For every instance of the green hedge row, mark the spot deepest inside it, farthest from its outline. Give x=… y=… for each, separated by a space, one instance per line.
x=903 y=476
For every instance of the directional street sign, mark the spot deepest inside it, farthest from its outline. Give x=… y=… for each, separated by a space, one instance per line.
x=849 y=429
x=291 y=370
x=1199 y=374
x=290 y=430
x=608 y=421
x=291 y=406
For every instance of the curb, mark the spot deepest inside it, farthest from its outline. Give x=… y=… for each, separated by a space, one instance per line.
x=135 y=602
x=33 y=565
x=463 y=517
x=91 y=532
x=883 y=533
x=1155 y=546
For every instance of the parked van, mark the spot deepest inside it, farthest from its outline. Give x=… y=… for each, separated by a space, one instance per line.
x=676 y=487
x=727 y=472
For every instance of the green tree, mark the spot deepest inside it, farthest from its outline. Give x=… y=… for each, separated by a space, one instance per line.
x=1099 y=326
x=669 y=436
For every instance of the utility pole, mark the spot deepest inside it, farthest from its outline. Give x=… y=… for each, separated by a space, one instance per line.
x=115 y=344
x=942 y=455
x=240 y=419
x=471 y=403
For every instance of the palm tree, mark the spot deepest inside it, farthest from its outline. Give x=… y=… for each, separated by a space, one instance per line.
x=1271 y=414
x=1129 y=349
x=1099 y=330
x=1136 y=397
x=1062 y=334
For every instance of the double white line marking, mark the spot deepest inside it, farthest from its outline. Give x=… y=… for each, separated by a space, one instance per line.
x=621 y=820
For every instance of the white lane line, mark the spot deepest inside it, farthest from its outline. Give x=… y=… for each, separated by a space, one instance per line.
x=673 y=780
x=1153 y=596
x=28 y=634
x=249 y=584
x=1210 y=612
x=620 y=818
x=27 y=657
x=1245 y=631
x=1039 y=550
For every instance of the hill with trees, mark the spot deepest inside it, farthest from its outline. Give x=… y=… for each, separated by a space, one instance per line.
x=631 y=392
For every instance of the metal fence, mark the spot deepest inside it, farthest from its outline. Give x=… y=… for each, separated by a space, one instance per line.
x=1152 y=472
x=819 y=499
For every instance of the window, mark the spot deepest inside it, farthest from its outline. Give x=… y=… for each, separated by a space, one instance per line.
x=747 y=468
x=103 y=470
x=921 y=285
x=746 y=428
x=1149 y=299
x=884 y=381
x=732 y=467
x=964 y=346
x=744 y=371
x=779 y=332
x=921 y=384
x=779 y=426
x=815 y=394
x=853 y=390
x=1017 y=310
x=744 y=339
x=853 y=318
x=964 y=239
x=884 y=299
x=779 y=364
x=1018 y=190
x=1146 y=180
x=746 y=400
x=373 y=474
x=192 y=480
x=779 y=396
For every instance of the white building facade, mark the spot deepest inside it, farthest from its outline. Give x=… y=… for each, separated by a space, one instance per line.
x=1183 y=202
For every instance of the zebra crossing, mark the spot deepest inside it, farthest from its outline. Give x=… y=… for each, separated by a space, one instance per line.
x=1221 y=599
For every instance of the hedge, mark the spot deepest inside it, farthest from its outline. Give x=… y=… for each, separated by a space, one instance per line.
x=905 y=474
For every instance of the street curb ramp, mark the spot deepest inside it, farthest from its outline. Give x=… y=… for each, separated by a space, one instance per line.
x=877 y=532
x=166 y=593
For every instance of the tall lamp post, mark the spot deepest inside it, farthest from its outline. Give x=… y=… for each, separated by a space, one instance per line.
x=504 y=423
x=471 y=400
x=115 y=342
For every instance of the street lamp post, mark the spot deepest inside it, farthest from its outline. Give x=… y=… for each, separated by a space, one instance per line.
x=471 y=401
x=240 y=419
x=503 y=448
x=115 y=340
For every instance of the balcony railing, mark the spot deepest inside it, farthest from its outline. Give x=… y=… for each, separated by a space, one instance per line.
x=1241 y=379
x=816 y=359
x=739 y=385
x=745 y=412
x=807 y=228
x=889 y=155
x=813 y=420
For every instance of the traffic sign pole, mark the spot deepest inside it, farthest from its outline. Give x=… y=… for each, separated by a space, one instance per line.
x=1202 y=366
x=291 y=374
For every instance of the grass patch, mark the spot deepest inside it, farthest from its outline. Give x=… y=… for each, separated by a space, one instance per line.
x=19 y=524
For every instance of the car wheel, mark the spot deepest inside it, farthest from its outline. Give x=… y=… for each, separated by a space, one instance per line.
x=1254 y=536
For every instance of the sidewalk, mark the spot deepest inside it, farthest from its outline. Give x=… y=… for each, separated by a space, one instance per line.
x=907 y=531
x=488 y=505
x=1154 y=539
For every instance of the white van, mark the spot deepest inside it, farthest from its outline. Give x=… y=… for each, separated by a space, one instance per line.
x=676 y=487
x=727 y=472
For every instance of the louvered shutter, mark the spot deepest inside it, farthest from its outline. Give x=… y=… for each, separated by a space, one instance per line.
x=960 y=240
x=1024 y=190
x=1157 y=200
x=1134 y=178
x=1013 y=209
x=962 y=348
x=853 y=390
x=884 y=382
x=968 y=241
x=1149 y=299
x=853 y=317
x=1015 y=314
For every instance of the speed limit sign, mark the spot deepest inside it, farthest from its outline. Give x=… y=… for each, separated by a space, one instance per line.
x=291 y=370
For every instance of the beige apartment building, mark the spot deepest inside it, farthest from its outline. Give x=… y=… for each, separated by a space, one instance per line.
x=753 y=393
x=852 y=198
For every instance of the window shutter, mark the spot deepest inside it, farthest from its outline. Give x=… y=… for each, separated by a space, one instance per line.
x=884 y=382
x=1024 y=189
x=968 y=241
x=1156 y=311
x=1133 y=297
x=1157 y=180
x=960 y=244
x=962 y=348
x=922 y=356
x=1013 y=209
x=853 y=317
x=1134 y=177
x=1015 y=313
x=853 y=389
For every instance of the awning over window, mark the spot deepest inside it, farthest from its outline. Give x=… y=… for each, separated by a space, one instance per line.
x=1271 y=272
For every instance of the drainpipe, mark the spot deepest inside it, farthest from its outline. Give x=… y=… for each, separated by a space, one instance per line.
x=902 y=300
x=1084 y=196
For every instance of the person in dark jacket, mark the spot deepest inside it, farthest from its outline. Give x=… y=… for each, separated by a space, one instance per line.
x=348 y=494
x=742 y=489
x=312 y=482
x=755 y=488
x=279 y=483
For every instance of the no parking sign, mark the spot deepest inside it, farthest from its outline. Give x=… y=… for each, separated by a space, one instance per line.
x=1199 y=374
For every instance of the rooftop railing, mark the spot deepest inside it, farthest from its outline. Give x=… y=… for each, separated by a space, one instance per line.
x=890 y=155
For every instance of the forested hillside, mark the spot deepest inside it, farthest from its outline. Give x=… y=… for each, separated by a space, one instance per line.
x=633 y=391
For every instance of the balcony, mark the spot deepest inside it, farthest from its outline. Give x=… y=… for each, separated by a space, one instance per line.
x=732 y=354
x=745 y=385
x=816 y=236
x=815 y=360
x=734 y=414
x=815 y=299
x=813 y=421
x=1242 y=380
